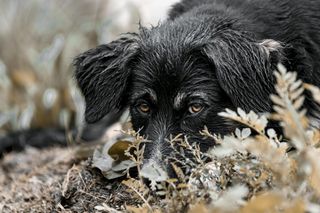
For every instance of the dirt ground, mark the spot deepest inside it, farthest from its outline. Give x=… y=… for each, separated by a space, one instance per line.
x=54 y=180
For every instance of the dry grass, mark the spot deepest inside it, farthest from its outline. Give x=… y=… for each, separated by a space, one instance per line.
x=244 y=173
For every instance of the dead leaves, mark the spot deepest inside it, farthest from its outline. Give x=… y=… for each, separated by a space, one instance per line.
x=113 y=162
x=117 y=150
x=245 y=173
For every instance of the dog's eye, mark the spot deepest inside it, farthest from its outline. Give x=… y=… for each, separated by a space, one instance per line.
x=145 y=108
x=195 y=108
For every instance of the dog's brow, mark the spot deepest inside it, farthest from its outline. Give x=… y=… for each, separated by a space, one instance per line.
x=178 y=100
x=181 y=96
x=141 y=93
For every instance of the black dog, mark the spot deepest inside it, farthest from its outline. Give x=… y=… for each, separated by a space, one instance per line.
x=209 y=55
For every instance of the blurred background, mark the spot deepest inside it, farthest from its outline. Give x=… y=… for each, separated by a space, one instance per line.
x=38 y=41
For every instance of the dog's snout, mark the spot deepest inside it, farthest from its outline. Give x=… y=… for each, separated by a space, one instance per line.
x=158 y=149
x=154 y=148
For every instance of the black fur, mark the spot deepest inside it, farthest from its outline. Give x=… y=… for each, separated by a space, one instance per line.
x=216 y=53
x=102 y=69
x=41 y=137
x=56 y=136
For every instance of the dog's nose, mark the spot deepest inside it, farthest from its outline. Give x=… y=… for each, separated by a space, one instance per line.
x=153 y=171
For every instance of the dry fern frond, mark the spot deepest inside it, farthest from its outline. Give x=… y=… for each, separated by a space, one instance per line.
x=289 y=107
x=244 y=172
x=140 y=190
x=315 y=91
x=252 y=120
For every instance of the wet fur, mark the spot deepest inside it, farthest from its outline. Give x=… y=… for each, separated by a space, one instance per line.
x=220 y=52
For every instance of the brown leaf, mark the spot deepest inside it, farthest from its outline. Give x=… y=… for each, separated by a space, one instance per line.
x=118 y=149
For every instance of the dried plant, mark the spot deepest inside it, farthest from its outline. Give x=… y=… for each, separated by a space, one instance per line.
x=38 y=40
x=245 y=172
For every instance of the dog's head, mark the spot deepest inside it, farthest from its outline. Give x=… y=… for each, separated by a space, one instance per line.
x=175 y=79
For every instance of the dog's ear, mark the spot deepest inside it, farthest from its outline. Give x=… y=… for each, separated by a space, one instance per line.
x=102 y=75
x=245 y=70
